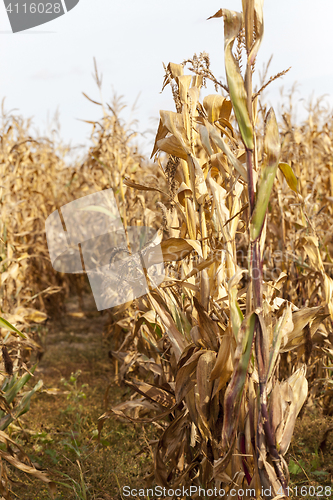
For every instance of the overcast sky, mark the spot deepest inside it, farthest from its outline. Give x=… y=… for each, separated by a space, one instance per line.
x=49 y=67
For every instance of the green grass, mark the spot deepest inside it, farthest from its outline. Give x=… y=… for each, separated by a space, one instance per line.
x=309 y=465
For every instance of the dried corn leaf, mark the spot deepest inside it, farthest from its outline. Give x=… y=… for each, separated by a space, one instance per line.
x=162 y=132
x=174 y=122
x=172 y=146
x=205 y=385
x=218 y=140
x=289 y=176
x=232 y=26
x=177 y=340
x=300 y=319
x=186 y=376
x=299 y=387
x=213 y=105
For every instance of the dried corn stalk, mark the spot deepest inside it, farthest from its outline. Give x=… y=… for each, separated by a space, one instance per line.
x=208 y=343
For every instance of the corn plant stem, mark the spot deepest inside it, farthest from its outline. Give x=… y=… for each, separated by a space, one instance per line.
x=243 y=452
x=256 y=277
x=250 y=184
x=263 y=419
x=270 y=437
x=261 y=357
x=256 y=273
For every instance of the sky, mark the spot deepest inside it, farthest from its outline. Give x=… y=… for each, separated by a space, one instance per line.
x=47 y=68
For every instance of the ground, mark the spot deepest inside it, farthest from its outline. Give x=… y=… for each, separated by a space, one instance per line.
x=63 y=419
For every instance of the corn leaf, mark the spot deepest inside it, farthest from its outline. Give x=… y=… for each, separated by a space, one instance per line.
x=13 y=391
x=232 y=26
x=272 y=150
x=216 y=137
x=213 y=105
x=289 y=176
x=5 y=324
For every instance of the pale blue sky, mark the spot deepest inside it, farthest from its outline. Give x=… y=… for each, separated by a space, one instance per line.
x=48 y=67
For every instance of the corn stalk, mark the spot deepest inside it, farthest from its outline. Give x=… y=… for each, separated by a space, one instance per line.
x=214 y=332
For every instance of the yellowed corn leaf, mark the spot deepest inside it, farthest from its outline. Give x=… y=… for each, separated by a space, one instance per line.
x=259 y=29
x=311 y=247
x=155 y=394
x=196 y=245
x=216 y=137
x=226 y=110
x=219 y=195
x=205 y=386
x=32 y=315
x=289 y=176
x=193 y=100
x=275 y=407
x=191 y=218
x=4 y=438
x=11 y=273
x=300 y=319
x=141 y=187
x=190 y=403
x=222 y=357
x=283 y=328
x=213 y=105
x=176 y=338
x=220 y=162
x=234 y=392
x=232 y=26
x=171 y=146
x=204 y=137
x=174 y=122
x=173 y=249
x=272 y=478
x=76 y=314
x=201 y=266
x=186 y=376
x=200 y=183
x=183 y=192
x=225 y=374
x=190 y=286
x=176 y=70
x=227 y=126
x=208 y=327
x=8 y=326
x=328 y=287
x=23 y=256
x=299 y=386
x=162 y=131
x=235 y=210
x=184 y=82
x=235 y=311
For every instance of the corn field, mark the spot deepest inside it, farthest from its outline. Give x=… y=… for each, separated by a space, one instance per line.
x=223 y=356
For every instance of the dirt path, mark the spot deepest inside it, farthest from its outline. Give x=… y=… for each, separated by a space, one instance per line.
x=75 y=341
x=62 y=421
